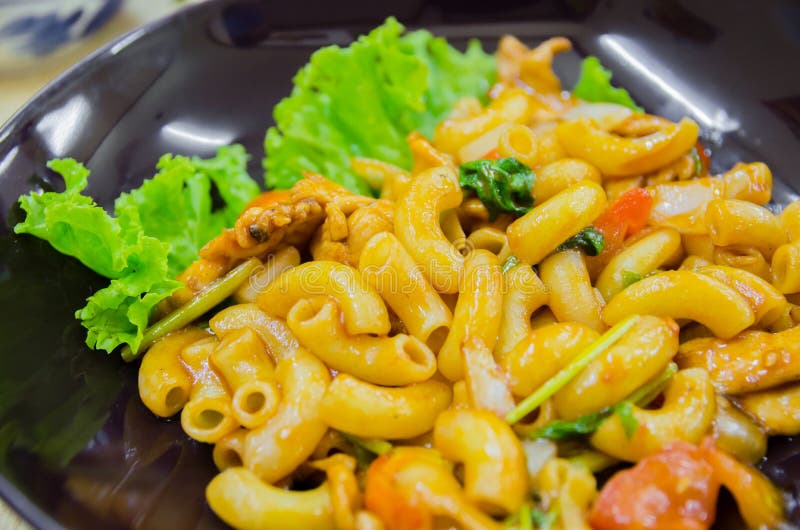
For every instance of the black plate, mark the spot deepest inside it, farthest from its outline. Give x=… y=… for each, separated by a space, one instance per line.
x=77 y=448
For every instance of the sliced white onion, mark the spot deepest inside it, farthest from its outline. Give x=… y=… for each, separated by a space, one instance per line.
x=484 y=143
x=537 y=453
x=606 y=115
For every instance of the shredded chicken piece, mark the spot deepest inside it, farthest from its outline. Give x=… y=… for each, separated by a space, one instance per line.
x=342 y=237
x=534 y=67
x=272 y=219
x=532 y=70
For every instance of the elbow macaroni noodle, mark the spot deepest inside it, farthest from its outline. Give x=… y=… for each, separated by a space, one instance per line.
x=409 y=324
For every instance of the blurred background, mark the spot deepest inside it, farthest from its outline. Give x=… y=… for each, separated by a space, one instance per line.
x=39 y=39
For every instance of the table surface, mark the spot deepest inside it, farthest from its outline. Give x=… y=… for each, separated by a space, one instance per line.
x=18 y=88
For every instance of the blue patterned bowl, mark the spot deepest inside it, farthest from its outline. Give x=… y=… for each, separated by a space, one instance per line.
x=31 y=29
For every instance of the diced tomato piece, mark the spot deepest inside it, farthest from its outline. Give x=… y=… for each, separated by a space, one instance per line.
x=674 y=489
x=623 y=217
x=384 y=499
x=492 y=155
x=628 y=214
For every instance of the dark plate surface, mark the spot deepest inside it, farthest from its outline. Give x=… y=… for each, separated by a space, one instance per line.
x=77 y=448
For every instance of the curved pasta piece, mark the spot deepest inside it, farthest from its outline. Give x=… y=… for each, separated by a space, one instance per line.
x=229 y=451
x=786 y=268
x=608 y=116
x=641 y=257
x=694 y=262
x=242 y=361
x=392 y=361
x=790 y=220
x=391 y=270
x=524 y=294
x=372 y=411
x=737 y=222
x=512 y=105
x=755 y=360
x=363 y=309
x=518 y=141
x=275 y=333
x=243 y=501
x=164 y=382
x=698 y=245
x=557 y=176
x=572 y=297
x=477 y=311
x=275 y=264
x=275 y=449
x=208 y=415
x=492 y=239
x=537 y=233
x=767 y=302
x=619 y=156
x=487 y=447
x=543 y=352
x=745 y=258
x=687 y=414
x=777 y=409
x=684 y=294
x=417 y=226
x=738 y=435
x=636 y=358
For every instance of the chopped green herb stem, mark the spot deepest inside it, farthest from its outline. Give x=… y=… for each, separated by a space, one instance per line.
x=647 y=393
x=588 y=423
x=565 y=375
x=212 y=296
x=373 y=445
x=624 y=411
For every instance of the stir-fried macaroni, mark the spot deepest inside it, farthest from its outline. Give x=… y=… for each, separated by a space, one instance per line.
x=407 y=330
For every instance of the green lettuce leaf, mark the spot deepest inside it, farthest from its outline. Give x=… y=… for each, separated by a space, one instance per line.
x=502 y=185
x=594 y=85
x=364 y=99
x=176 y=207
x=155 y=233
